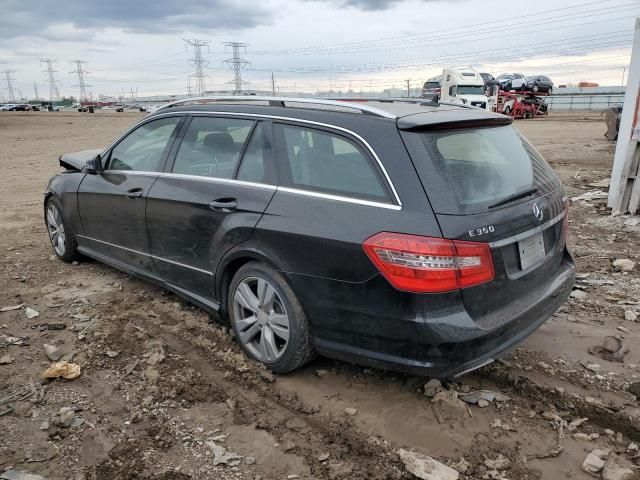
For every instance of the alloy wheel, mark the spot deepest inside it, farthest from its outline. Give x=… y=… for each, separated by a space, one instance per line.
x=55 y=227
x=261 y=320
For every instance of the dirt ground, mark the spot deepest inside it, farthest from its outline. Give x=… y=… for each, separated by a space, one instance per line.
x=165 y=392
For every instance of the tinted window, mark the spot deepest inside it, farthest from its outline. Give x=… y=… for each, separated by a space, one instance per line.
x=252 y=166
x=331 y=163
x=142 y=149
x=466 y=171
x=211 y=147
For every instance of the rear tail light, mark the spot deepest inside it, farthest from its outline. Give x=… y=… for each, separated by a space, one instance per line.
x=429 y=265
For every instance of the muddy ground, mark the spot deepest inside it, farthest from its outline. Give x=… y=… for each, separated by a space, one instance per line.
x=163 y=387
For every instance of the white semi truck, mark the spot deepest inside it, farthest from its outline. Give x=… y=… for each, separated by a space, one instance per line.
x=464 y=85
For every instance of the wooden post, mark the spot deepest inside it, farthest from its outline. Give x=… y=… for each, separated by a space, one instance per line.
x=624 y=191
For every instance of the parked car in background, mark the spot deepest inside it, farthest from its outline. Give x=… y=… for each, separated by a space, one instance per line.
x=19 y=107
x=489 y=79
x=511 y=81
x=6 y=106
x=539 y=83
x=420 y=237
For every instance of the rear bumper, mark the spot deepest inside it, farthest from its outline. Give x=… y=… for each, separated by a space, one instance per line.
x=433 y=335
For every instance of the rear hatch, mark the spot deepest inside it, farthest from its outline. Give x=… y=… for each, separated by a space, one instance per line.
x=486 y=183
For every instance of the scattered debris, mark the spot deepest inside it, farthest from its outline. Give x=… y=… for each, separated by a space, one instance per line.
x=613 y=349
x=426 y=468
x=323 y=457
x=499 y=463
x=111 y=353
x=11 y=307
x=595 y=461
x=221 y=456
x=432 y=387
x=613 y=471
x=52 y=352
x=461 y=465
x=31 y=313
x=630 y=316
x=487 y=395
x=62 y=369
x=19 y=475
x=578 y=294
x=322 y=373
x=635 y=389
x=447 y=406
x=350 y=411
x=6 y=359
x=573 y=426
x=498 y=423
x=623 y=329
x=591 y=195
x=624 y=265
x=155 y=357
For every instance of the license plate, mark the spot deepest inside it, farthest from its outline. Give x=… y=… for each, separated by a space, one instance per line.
x=531 y=250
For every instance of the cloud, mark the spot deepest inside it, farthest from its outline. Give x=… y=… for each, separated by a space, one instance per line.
x=367 y=5
x=77 y=20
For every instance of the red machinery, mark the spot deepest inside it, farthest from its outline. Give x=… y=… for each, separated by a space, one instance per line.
x=521 y=104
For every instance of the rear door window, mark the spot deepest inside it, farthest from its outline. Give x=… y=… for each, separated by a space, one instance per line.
x=467 y=171
x=211 y=147
x=321 y=161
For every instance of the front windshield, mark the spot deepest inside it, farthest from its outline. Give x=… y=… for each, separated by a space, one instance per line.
x=470 y=89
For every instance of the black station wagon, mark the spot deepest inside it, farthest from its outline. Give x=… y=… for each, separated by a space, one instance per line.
x=422 y=237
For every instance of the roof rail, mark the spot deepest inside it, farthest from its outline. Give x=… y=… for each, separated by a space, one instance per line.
x=279 y=102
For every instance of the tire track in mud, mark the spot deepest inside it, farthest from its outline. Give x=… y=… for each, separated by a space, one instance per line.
x=222 y=363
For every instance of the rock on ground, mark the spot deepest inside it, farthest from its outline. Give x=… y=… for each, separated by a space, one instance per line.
x=624 y=264
x=613 y=471
x=425 y=467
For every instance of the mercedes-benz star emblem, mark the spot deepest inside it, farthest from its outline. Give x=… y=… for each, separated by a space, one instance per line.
x=537 y=212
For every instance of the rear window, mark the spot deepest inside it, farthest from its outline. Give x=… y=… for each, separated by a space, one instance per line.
x=467 y=171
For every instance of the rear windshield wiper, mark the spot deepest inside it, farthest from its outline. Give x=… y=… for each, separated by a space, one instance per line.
x=515 y=196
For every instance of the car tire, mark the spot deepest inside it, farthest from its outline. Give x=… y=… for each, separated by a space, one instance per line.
x=61 y=237
x=267 y=319
x=507 y=111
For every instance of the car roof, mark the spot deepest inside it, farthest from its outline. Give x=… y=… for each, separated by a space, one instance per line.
x=407 y=113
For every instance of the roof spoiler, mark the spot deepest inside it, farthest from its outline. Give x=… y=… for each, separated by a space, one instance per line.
x=452 y=119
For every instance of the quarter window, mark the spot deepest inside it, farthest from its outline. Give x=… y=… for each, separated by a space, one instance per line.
x=211 y=147
x=331 y=163
x=142 y=149
x=252 y=165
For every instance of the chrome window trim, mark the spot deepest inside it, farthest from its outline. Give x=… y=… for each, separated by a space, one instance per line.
x=528 y=233
x=155 y=257
x=339 y=198
x=277 y=117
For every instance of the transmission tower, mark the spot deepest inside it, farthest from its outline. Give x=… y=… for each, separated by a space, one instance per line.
x=80 y=72
x=35 y=89
x=237 y=64
x=198 y=63
x=53 y=84
x=11 y=93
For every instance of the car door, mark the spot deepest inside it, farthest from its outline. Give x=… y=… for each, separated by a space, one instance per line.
x=518 y=81
x=214 y=190
x=112 y=202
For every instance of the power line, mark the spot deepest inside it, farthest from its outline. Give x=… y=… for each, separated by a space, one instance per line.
x=237 y=64
x=80 y=72
x=53 y=87
x=198 y=63
x=11 y=93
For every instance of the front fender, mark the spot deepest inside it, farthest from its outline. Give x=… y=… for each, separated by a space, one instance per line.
x=64 y=187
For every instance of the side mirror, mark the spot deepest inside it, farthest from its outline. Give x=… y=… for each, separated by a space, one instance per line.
x=94 y=165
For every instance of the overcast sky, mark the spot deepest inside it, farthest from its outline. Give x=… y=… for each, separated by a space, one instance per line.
x=310 y=45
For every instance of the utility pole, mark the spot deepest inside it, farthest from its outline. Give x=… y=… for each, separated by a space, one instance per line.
x=198 y=63
x=80 y=72
x=133 y=99
x=624 y=70
x=53 y=86
x=7 y=76
x=273 y=84
x=237 y=64
x=35 y=89
x=408 y=80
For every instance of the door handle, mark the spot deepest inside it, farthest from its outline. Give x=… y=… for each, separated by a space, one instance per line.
x=134 y=193
x=225 y=205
